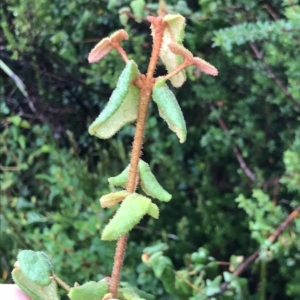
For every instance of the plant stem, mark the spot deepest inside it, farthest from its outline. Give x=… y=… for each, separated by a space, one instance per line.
x=61 y=283
x=262 y=284
x=145 y=92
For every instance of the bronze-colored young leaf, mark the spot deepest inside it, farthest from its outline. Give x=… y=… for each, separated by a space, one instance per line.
x=169 y=109
x=174 y=32
x=149 y=183
x=131 y=211
x=205 y=67
x=153 y=211
x=35 y=291
x=121 y=179
x=100 y=50
x=122 y=106
x=105 y=45
x=112 y=199
x=89 y=291
x=200 y=63
x=36 y=266
x=180 y=50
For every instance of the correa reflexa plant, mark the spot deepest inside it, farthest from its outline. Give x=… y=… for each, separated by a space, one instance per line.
x=128 y=103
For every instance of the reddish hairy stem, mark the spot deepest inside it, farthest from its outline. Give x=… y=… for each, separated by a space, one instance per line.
x=145 y=93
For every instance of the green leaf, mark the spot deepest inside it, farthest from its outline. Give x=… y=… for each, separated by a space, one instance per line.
x=35 y=291
x=213 y=286
x=124 y=15
x=131 y=211
x=122 y=106
x=169 y=109
x=159 y=263
x=36 y=266
x=156 y=248
x=126 y=287
x=91 y=290
x=112 y=4
x=174 y=32
x=137 y=7
x=121 y=179
x=150 y=185
x=112 y=199
x=153 y=211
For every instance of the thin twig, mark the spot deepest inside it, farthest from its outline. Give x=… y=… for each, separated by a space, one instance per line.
x=272 y=238
x=272 y=75
x=61 y=283
x=236 y=150
x=194 y=287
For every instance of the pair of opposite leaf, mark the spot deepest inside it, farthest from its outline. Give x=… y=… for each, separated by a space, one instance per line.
x=134 y=206
x=122 y=107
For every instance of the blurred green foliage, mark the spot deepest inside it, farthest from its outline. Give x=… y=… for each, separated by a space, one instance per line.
x=53 y=172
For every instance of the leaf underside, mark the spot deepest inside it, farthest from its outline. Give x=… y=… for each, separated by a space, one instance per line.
x=35 y=291
x=153 y=211
x=131 y=211
x=169 y=109
x=122 y=106
x=90 y=290
x=149 y=183
x=174 y=32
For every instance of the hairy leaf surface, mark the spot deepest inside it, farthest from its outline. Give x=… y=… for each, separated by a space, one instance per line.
x=150 y=184
x=122 y=106
x=35 y=291
x=91 y=290
x=131 y=211
x=169 y=109
x=112 y=199
x=36 y=266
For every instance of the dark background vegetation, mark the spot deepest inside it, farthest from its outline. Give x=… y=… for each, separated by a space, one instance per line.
x=243 y=141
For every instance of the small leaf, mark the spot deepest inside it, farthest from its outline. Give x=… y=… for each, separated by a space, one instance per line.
x=112 y=199
x=137 y=7
x=160 y=264
x=126 y=285
x=205 y=67
x=169 y=109
x=174 y=32
x=121 y=179
x=100 y=50
x=123 y=15
x=122 y=106
x=149 y=183
x=36 y=266
x=180 y=50
x=119 y=35
x=153 y=211
x=35 y=291
x=112 y=4
x=105 y=45
x=131 y=211
x=91 y=290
